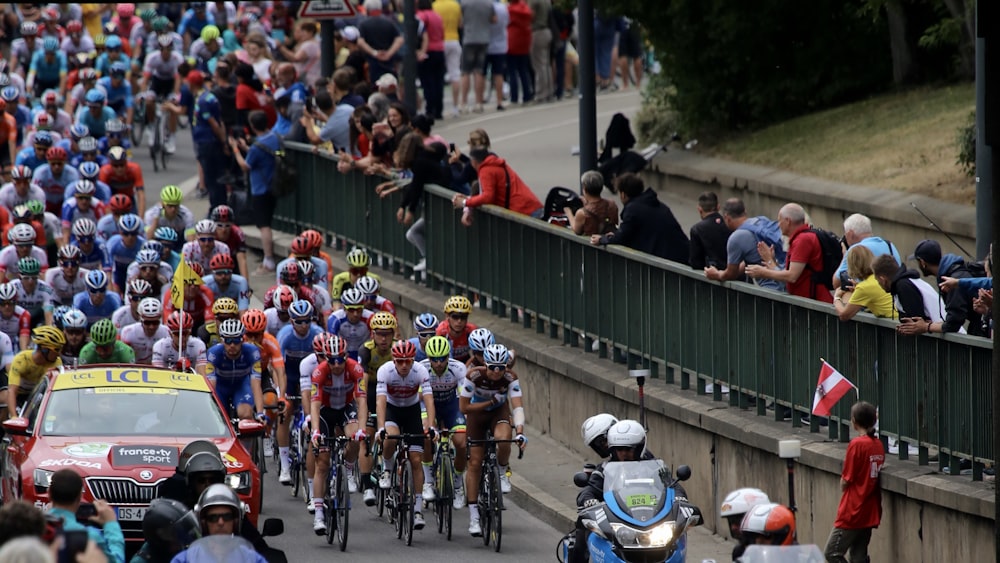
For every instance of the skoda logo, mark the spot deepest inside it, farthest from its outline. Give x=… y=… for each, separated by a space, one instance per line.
x=145 y=475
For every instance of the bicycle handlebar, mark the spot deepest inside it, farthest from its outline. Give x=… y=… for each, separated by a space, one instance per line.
x=520 y=451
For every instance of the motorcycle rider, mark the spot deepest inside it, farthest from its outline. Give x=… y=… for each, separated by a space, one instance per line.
x=221 y=513
x=769 y=524
x=734 y=508
x=168 y=527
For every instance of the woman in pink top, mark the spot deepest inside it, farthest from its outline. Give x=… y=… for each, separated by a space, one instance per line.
x=519 y=51
x=430 y=59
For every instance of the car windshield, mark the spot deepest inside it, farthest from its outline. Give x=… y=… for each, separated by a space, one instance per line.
x=120 y=411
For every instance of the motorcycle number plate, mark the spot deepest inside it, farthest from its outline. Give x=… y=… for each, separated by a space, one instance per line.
x=641 y=500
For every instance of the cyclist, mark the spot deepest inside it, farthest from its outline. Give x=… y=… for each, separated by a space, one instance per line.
x=350 y=321
x=96 y=301
x=277 y=314
x=169 y=239
x=124 y=177
x=165 y=353
x=48 y=68
x=223 y=309
x=119 y=92
x=50 y=226
x=86 y=79
x=71 y=144
x=113 y=53
x=426 y=327
x=401 y=386
x=53 y=177
x=315 y=241
x=456 y=326
x=74 y=327
x=205 y=247
x=114 y=137
x=479 y=340
x=22 y=48
x=446 y=375
x=358 y=262
x=337 y=404
x=37 y=144
x=22 y=239
x=142 y=336
x=224 y=283
x=33 y=294
x=320 y=296
x=148 y=266
x=68 y=279
x=97 y=114
x=372 y=356
x=93 y=252
x=198 y=300
x=123 y=248
x=21 y=214
x=88 y=153
x=29 y=366
x=135 y=291
x=233 y=236
x=300 y=249
x=233 y=369
x=159 y=74
x=76 y=41
x=91 y=170
x=118 y=206
x=81 y=206
x=104 y=346
x=207 y=49
x=272 y=363
x=59 y=121
x=20 y=189
x=373 y=301
x=490 y=398
x=15 y=321
x=171 y=213
x=296 y=343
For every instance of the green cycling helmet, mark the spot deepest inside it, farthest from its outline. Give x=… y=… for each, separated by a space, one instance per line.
x=209 y=33
x=160 y=24
x=148 y=15
x=35 y=207
x=103 y=332
x=437 y=347
x=171 y=195
x=29 y=266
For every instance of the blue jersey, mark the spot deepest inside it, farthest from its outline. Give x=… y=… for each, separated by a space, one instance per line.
x=103 y=193
x=54 y=187
x=95 y=313
x=173 y=259
x=98 y=257
x=120 y=96
x=421 y=355
x=238 y=290
x=27 y=157
x=103 y=145
x=356 y=334
x=295 y=348
x=76 y=159
x=95 y=123
x=48 y=71
x=23 y=118
x=191 y=24
x=104 y=62
x=222 y=368
x=122 y=256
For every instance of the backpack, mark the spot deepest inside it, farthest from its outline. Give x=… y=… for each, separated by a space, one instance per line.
x=833 y=255
x=286 y=175
x=768 y=232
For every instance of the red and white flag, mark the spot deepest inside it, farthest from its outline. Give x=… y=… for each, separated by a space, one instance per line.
x=832 y=387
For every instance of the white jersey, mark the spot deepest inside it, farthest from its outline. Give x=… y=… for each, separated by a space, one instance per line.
x=6 y=351
x=165 y=352
x=10 y=199
x=166 y=271
x=402 y=391
x=306 y=368
x=38 y=300
x=192 y=253
x=321 y=299
x=274 y=324
x=8 y=259
x=123 y=317
x=65 y=289
x=135 y=336
x=181 y=222
x=445 y=386
x=11 y=327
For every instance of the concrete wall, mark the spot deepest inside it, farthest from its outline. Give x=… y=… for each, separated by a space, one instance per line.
x=765 y=190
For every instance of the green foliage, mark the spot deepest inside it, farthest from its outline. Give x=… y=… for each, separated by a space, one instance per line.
x=966 y=141
x=656 y=121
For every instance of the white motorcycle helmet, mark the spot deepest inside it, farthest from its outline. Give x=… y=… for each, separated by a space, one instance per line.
x=594 y=432
x=737 y=504
x=627 y=435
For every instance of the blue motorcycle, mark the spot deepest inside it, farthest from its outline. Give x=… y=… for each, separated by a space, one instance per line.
x=641 y=519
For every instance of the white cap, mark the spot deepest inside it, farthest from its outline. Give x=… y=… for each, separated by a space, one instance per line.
x=350 y=33
x=386 y=81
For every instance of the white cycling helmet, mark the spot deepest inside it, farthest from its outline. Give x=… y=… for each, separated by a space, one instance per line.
x=352 y=297
x=737 y=504
x=205 y=227
x=594 y=432
x=21 y=233
x=8 y=292
x=74 y=318
x=367 y=284
x=481 y=339
x=627 y=434
x=150 y=308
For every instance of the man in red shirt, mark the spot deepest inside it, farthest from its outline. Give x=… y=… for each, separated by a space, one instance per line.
x=860 y=507
x=498 y=185
x=805 y=257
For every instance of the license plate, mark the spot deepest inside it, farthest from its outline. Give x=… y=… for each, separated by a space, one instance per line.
x=130 y=512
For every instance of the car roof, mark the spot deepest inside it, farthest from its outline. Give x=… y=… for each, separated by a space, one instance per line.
x=127 y=376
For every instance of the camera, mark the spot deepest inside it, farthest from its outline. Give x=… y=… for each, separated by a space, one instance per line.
x=86 y=511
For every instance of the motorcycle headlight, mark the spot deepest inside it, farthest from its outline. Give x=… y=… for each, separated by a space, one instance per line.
x=42 y=479
x=631 y=538
x=239 y=482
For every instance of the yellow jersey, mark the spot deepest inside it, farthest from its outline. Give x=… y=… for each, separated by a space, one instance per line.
x=25 y=373
x=451 y=15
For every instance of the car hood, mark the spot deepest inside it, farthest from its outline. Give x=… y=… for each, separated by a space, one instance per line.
x=117 y=456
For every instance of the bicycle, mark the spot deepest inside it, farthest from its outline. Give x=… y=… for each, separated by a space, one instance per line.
x=157 y=147
x=297 y=445
x=444 y=472
x=400 y=499
x=378 y=468
x=337 y=499
x=490 y=500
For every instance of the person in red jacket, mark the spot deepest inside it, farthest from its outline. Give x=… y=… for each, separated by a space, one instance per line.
x=519 y=51
x=498 y=185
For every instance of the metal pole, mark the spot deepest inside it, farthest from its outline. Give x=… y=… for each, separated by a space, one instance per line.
x=984 y=150
x=328 y=55
x=410 y=58
x=588 y=86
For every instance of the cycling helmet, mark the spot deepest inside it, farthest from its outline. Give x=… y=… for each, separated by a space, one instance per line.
x=50 y=337
x=300 y=246
x=290 y=273
x=437 y=347
x=283 y=297
x=114 y=126
x=425 y=322
x=627 y=434
x=307 y=269
x=594 y=432
x=129 y=223
x=118 y=69
x=29 y=29
x=458 y=304
x=21 y=172
x=74 y=318
x=221 y=495
x=50 y=44
x=139 y=287
x=147 y=257
x=404 y=350
x=163 y=233
x=169 y=527
x=56 y=154
x=29 y=266
x=43 y=139
x=70 y=252
x=382 y=320
x=85 y=188
x=94 y=96
x=225 y=306
x=774 y=522
x=79 y=131
x=221 y=262
x=196 y=266
x=100 y=40
x=314 y=239
x=88 y=144
x=119 y=203
x=335 y=346
x=352 y=297
x=57 y=315
x=737 y=504
x=205 y=227
x=178 y=320
x=368 y=285
x=358 y=258
x=8 y=292
x=148 y=15
x=254 y=320
x=222 y=214
x=160 y=24
x=97 y=280
x=319 y=343
x=87 y=74
x=36 y=207
x=21 y=233
x=171 y=195
x=84 y=227
x=10 y=94
x=117 y=154
x=154 y=245
x=20 y=213
x=74 y=26
x=164 y=42
x=209 y=33
x=150 y=308
x=231 y=328
x=480 y=339
x=113 y=42
x=50 y=98
x=301 y=309
x=496 y=355
x=205 y=462
x=126 y=11
x=43 y=121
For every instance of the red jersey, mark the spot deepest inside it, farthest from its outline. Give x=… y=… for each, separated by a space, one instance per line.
x=237 y=241
x=199 y=308
x=270 y=352
x=338 y=391
x=302 y=292
x=861 y=504
x=804 y=247
x=459 y=345
x=124 y=182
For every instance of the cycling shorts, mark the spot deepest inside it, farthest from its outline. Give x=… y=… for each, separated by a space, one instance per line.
x=234 y=393
x=477 y=423
x=407 y=421
x=447 y=415
x=331 y=419
x=161 y=87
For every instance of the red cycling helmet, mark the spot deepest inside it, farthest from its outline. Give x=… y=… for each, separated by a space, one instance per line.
x=198 y=269
x=74 y=26
x=222 y=214
x=177 y=319
x=221 y=262
x=254 y=320
x=335 y=346
x=57 y=154
x=313 y=238
x=300 y=246
x=290 y=273
x=404 y=350
x=120 y=203
x=319 y=341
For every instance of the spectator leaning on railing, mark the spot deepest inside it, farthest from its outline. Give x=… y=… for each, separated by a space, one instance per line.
x=958 y=304
x=913 y=297
x=858 y=230
x=65 y=490
x=498 y=185
x=708 y=236
x=867 y=293
x=805 y=256
x=598 y=216
x=741 y=246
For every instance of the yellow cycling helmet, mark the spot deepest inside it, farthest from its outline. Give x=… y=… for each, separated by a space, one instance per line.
x=48 y=337
x=382 y=320
x=171 y=195
x=225 y=306
x=209 y=33
x=358 y=258
x=437 y=347
x=457 y=304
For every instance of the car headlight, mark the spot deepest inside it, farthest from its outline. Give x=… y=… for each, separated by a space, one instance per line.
x=42 y=479
x=240 y=482
x=629 y=537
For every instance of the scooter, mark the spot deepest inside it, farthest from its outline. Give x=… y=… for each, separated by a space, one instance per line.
x=640 y=520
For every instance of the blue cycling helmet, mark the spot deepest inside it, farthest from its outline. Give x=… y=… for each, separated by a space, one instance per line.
x=74 y=318
x=480 y=339
x=10 y=94
x=154 y=245
x=43 y=138
x=57 y=315
x=90 y=170
x=425 y=322
x=118 y=69
x=300 y=309
x=130 y=223
x=113 y=42
x=79 y=131
x=165 y=233
x=496 y=354
x=51 y=44
x=97 y=280
x=94 y=96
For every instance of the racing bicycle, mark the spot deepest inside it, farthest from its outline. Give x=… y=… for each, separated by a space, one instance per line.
x=337 y=500
x=490 y=500
x=297 y=447
x=400 y=497
x=444 y=481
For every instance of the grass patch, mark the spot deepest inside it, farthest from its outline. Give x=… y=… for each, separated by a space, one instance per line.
x=902 y=141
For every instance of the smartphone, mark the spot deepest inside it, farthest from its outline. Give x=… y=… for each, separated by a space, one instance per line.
x=451 y=147
x=86 y=511
x=74 y=543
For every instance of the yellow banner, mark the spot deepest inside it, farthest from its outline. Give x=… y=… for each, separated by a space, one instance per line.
x=127 y=378
x=183 y=277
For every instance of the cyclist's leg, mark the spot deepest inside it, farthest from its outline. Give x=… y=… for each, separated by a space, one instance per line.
x=450 y=417
x=322 y=462
x=503 y=431
x=476 y=424
x=410 y=422
x=349 y=422
x=284 y=426
x=243 y=399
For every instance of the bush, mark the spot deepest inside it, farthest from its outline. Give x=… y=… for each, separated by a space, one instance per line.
x=966 y=141
x=656 y=121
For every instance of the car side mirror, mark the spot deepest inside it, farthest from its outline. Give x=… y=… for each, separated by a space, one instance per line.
x=249 y=428
x=273 y=527
x=581 y=479
x=16 y=426
x=683 y=473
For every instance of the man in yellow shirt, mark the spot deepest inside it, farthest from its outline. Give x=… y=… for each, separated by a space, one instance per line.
x=451 y=15
x=30 y=366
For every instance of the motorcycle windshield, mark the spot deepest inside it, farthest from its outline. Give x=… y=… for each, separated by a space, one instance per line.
x=221 y=549
x=783 y=554
x=636 y=486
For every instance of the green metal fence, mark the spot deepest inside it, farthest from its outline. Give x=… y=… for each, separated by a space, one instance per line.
x=933 y=392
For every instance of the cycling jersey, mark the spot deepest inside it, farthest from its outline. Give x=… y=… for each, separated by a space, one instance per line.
x=165 y=352
x=383 y=304
x=192 y=252
x=402 y=391
x=123 y=317
x=151 y=38
x=25 y=372
x=159 y=68
x=119 y=97
x=38 y=301
x=294 y=348
x=121 y=256
x=421 y=355
x=190 y=23
x=321 y=300
x=164 y=271
x=103 y=193
x=95 y=122
x=97 y=258
x=29 y=157
x=76 y=159
x=224 y=369
x=306 y=368
x=85 y=45
x=59 y=121
x=29 y=143
x=321 y=275
x=121 y=353
x=479 y=388
x=6 y=352
x=126 y=181
x=356 y=334
x=182 y=222
x=459 y=346
x=9 y=259
x=238 y=290
x=274 y=323
x=47 y=71
x=66 y=289
x=22 y=52
x=54 y=187
x=270 y=353
x=104 y=62
x=10 y=199
x=71 y=213
x=135 y=336
x=236 y=241
x=16 y=326
x=301 y=292
x=337 y=391
x=52 y=229
x=445 y=385
x=111 y=303
x=200 y=308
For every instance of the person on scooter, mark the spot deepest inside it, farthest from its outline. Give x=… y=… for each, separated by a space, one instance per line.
x=735 y=507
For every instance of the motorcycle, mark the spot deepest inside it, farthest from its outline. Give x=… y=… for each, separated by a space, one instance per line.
x=783 y=554
x=641 y=520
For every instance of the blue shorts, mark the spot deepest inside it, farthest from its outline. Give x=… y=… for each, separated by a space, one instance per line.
x=234 y=392
x=448 y=415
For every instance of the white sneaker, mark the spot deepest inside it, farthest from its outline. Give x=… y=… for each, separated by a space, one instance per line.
x=385 y=481
x=504 y=484
x=428 y=492
x=474 y=529
x=268 y=447
x=285 y=477
x=352 y=482
x=418 y=521
x=310 y=507
x=459 y=501
x=369 y=497
x=454 y=112
x=319 y=523
x=169 y=145
x=421 y=265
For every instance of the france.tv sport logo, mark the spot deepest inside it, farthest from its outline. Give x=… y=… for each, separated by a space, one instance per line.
x=161 y=456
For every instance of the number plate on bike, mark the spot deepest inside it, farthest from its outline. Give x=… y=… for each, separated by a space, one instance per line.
x=641 y=500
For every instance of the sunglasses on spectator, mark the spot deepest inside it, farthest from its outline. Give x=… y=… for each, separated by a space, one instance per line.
x=459 y=316
x=232 y=340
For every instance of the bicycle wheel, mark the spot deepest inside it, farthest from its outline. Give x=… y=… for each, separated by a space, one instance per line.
x=496 y=509
x=483 y=503
x=301 y=469
x=406 y=507
x=342 y=515
x=330 y=502
x=446 y=494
